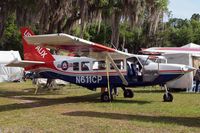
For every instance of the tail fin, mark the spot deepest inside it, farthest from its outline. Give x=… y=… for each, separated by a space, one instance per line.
x=34 y=53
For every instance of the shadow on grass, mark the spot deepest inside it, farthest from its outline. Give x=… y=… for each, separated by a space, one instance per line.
x=29 y=92
x=163 y=91
x=184 y=121
x=36 y=101
x=131 y=101
x=149 y=91
x=5 y=93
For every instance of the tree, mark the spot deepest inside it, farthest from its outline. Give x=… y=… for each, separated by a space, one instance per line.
x=179 y=32
x=63 y=15
x=11 y=38
x=195 y=17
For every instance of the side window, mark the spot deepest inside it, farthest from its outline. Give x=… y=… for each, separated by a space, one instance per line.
x=85 y=66
x=119 y=63
x=99 y=65
x=76 y=66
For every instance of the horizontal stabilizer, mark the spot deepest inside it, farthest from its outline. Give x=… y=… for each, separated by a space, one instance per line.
x=23 y=63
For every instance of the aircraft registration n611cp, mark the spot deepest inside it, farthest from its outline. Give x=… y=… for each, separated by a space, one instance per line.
x=96 y=66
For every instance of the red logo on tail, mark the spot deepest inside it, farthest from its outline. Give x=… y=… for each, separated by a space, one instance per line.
x=26 y=33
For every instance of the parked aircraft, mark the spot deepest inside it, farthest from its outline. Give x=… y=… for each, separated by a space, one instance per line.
x=94 y=65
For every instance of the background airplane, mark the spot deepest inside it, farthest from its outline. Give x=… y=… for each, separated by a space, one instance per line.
x=96 y=66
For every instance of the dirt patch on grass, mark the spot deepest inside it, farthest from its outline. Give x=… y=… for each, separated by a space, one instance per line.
x=21 y=100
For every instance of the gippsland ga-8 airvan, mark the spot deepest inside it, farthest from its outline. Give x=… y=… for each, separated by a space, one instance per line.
x=93 y=65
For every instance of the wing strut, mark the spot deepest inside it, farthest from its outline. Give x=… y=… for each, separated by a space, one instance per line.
x=116 y=68
x=108 y=79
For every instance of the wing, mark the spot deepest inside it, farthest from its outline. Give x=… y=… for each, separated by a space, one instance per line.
x=74 y=45
x=23 y=63
x=79 y=46
x=173 y=50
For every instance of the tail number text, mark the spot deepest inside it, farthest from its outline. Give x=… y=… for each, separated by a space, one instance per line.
x=88 y=79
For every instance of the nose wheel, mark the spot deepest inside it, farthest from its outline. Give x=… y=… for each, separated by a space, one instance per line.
x=167 y=97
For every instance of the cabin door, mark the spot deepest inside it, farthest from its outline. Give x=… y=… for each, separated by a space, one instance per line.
x=134 y=69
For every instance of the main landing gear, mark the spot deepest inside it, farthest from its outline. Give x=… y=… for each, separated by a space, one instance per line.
x=167 y=97
x=105 y=97
x=128 y=93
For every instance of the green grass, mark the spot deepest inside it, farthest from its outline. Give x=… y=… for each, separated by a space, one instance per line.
x=75 y=110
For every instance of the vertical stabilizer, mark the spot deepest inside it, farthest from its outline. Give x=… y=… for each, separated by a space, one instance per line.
x=34 y=53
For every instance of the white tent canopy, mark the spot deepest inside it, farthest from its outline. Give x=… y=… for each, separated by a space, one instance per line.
x=10 y=73
x=191 y=45
x=185 y=81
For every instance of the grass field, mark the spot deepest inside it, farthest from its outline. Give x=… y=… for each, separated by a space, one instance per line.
x=73 y=109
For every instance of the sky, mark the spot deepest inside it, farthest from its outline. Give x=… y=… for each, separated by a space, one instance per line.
x=184 y=8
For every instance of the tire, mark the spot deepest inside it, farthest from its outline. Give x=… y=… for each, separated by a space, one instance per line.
x=105 y=97
x=167 y=97
x=128 y=93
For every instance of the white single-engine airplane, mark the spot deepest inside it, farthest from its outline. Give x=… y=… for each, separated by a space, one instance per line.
x=96 y=66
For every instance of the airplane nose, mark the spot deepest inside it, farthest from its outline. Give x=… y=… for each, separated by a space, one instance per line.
x=187 y=69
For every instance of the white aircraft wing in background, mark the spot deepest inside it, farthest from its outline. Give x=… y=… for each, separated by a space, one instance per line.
x=173 y=50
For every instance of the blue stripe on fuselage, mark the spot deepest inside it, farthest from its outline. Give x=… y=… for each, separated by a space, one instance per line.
x=92 y=81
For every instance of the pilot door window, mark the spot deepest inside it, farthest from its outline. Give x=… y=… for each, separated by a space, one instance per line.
x=76 y=66
x=85 y=66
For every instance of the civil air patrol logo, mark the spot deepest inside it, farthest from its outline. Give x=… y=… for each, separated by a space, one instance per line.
x=64 y=65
